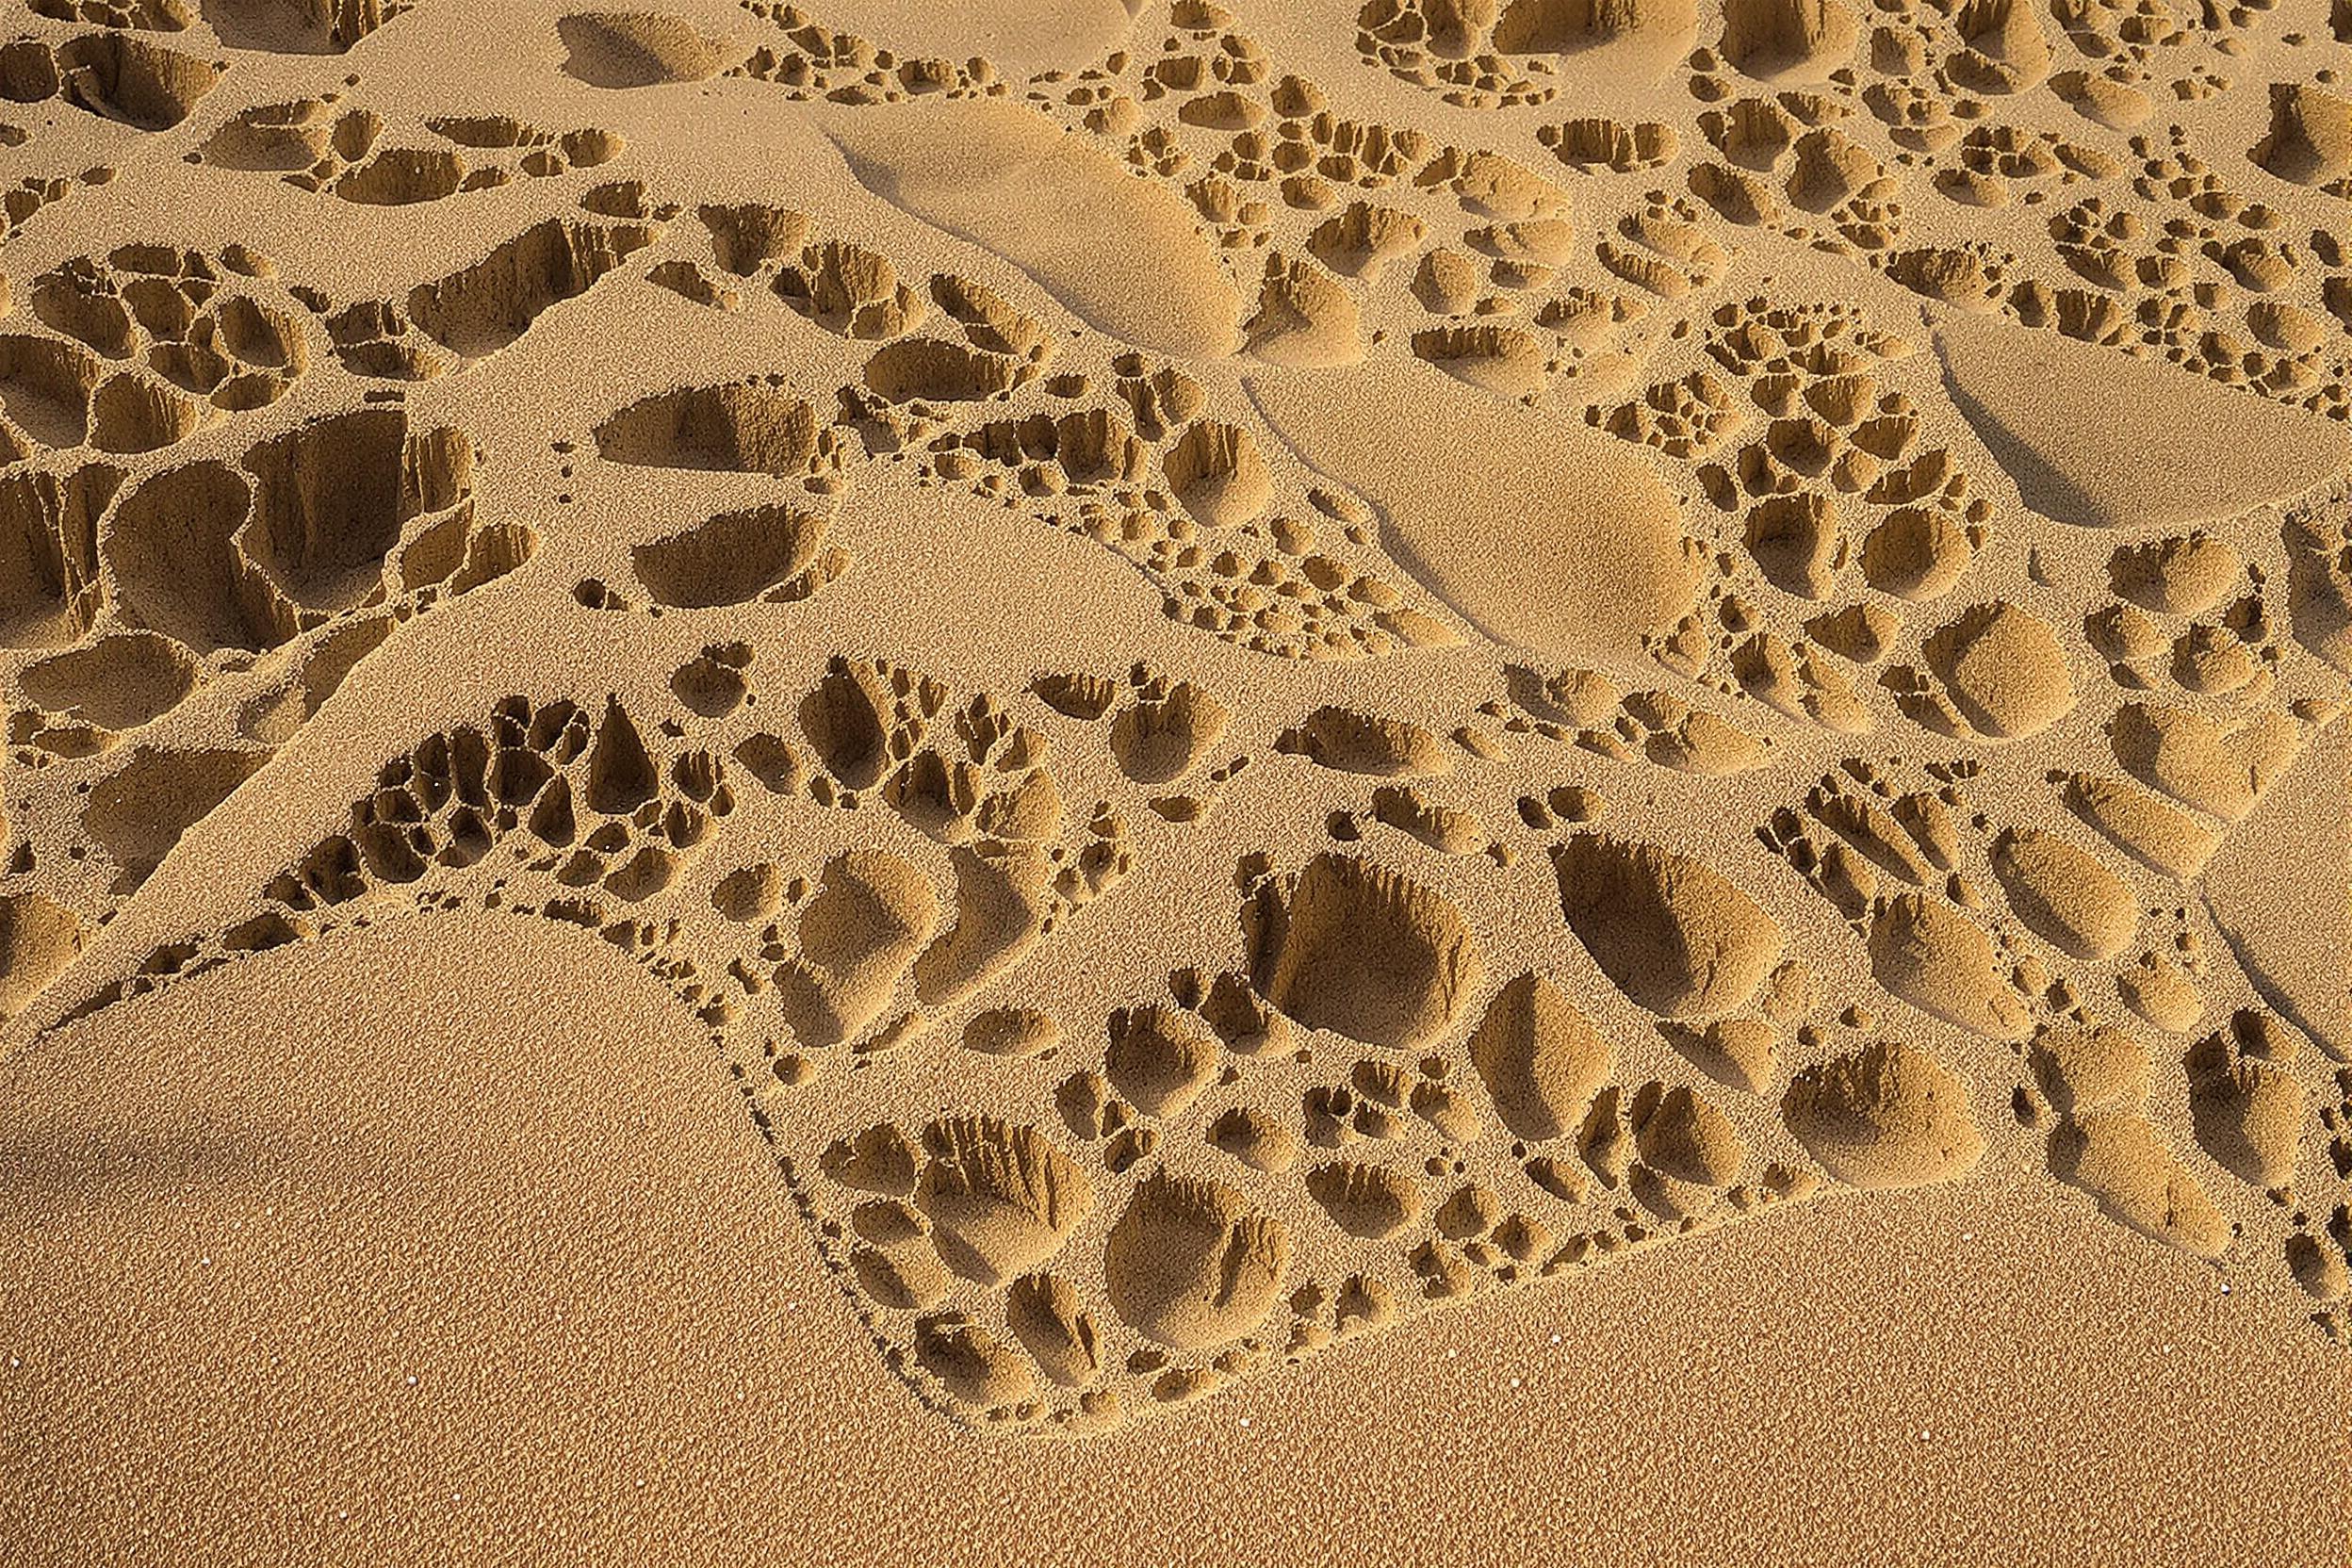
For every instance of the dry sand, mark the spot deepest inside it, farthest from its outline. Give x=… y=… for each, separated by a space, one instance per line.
x=1434 y=780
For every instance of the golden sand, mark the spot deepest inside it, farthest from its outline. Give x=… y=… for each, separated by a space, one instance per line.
x=1369 y=780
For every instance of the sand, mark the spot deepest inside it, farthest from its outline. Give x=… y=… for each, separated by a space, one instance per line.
x=1053 y=782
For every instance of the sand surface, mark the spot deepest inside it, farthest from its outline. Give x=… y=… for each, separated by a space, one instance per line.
x=435 y=1313
x=1368 y=780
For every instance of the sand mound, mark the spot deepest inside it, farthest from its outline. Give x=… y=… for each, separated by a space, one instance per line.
x=1682 y=1137
x=2064 y=894
x=2095 y=1068
x=2122 y=1162
x=2292 y=940
x=1125 y=257
x=1190 y=1265
x=2185 y=574
x=1218 y=474
x=2004 y=669
x=871 y=914
x=1443 y=462
x=1671 y=932
x=2310 y=140
x=488 y=305
x=1542 y=1061
x=1304 y=318
x=1886 y=1116
x=2076 y=428
x=2319 y=578
x=1789 y=41
x=1165 y=734
x=623 y=49
x=1944 y=964
x=1368 y=1201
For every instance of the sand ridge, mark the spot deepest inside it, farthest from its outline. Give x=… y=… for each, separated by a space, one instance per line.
x=1234 y=721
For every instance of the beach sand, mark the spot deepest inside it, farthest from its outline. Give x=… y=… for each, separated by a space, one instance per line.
x=1438 y=780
